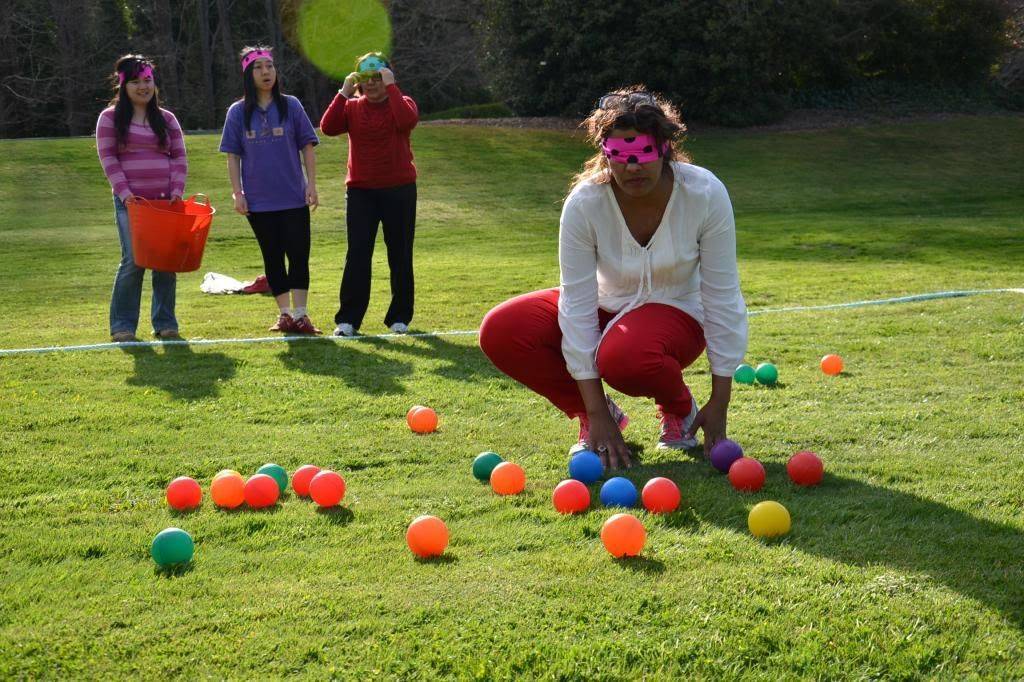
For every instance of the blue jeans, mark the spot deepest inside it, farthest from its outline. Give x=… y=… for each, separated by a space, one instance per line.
x=127 y=295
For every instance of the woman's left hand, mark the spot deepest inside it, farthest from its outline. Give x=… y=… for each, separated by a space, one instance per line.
x=712 y=418
x=175 y=198
x=312 y=198
x=387 y=76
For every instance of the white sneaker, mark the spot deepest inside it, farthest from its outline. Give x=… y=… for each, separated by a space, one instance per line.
x=344 y=329
x=399 y=328
x=674 y=428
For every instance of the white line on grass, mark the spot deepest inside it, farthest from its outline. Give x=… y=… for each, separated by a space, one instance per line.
x=915 y=298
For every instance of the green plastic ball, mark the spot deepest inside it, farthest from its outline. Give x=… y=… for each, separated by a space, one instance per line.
x=172 y=546
x=744 y=374
x=767 y=373
x=484 y=464
x=276 y=472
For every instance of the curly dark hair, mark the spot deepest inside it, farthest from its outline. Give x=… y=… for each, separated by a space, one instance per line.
x=659 y=119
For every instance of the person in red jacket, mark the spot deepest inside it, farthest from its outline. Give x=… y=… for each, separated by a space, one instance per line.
x=380 y=188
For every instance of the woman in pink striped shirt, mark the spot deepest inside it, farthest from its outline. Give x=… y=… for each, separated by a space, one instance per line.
x=142 y=151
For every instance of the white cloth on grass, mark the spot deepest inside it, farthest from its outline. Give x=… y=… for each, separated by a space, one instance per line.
x=216 y=283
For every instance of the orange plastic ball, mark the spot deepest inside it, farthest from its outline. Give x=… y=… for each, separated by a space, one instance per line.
x=261 y=491
x=228 y=472
x=570 y=497
x=427 y=536
x=228 y=491
x=422 y=419
x=831 y=365
x=184 y=493
x=660 y=495
x=623 y=535
x=327 y=488
x=301 y=478
x=508 y=478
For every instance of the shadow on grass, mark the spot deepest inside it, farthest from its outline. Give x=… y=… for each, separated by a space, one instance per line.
x=865 y=525
x=641 y=564
x=339 y=516
x=180 y=372
x=359 y=364
x=445 y=558
x=175 y=571
x=349 y=361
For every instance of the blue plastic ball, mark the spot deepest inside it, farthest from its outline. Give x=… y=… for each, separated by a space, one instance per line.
x=618 y=492
x=585 y=466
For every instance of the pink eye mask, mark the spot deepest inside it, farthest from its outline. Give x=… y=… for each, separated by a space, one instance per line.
x=639 y=149
x=250 y=57
x=145 y=73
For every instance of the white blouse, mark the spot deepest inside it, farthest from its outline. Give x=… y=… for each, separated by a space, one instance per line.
x=689 y=263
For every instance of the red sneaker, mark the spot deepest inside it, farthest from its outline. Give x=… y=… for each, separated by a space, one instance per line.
x=257 y=286
x=304 y=325
x=284 y=323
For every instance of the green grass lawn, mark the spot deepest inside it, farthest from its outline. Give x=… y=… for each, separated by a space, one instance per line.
x=905 y=563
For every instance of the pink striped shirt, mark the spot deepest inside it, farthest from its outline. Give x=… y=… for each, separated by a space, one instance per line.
x=141 y=167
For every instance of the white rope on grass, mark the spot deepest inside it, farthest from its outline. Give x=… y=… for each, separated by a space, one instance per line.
x=915 y=298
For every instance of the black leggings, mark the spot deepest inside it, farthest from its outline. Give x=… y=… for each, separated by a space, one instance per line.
x=395 y=208
x=281 y=234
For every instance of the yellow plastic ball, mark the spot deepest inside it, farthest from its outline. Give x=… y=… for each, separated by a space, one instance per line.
x=768 y=520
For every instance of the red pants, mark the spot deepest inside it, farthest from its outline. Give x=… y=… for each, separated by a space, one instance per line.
x=643 y=355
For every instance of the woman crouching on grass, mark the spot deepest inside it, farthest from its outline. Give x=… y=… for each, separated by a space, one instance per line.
x=264 y=133
x=647 y=253
x=142 y=151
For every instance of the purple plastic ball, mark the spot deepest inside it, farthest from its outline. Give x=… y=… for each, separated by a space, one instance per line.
x=724 y=453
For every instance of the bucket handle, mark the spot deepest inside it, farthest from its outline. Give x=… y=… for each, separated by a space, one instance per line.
x=193 y=199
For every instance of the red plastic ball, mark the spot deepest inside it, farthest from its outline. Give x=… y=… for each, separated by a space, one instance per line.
x=805 y=468
x=570 y=497
x=261 y=491
x=660 y=495
x=301 y=478
x=184 y=493
x=327 y=488
x=746 y=474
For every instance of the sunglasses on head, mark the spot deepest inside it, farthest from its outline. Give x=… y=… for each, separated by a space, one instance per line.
x=615 y=100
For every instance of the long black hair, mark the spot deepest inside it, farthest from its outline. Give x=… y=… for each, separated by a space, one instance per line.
x=129 y=66
x=249 y=83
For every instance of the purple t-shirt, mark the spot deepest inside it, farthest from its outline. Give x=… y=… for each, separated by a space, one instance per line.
x=272 y=176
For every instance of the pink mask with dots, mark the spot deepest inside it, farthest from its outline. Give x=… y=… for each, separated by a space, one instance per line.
x=145 y=73
x=639 y=149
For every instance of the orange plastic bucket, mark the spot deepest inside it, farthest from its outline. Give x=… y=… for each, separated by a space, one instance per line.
x=167 y=236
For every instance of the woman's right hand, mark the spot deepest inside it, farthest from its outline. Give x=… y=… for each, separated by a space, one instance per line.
x=241 y=205
x=348 y=88
x=128 y=199
x=607 y=441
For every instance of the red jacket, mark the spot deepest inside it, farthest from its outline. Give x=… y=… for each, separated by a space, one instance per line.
x=379 y=152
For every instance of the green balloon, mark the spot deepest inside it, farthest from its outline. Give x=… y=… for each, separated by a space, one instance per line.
x=484 y=464
x=172 y=546
x=276 y=472
x=744 y=374
x=767 y=373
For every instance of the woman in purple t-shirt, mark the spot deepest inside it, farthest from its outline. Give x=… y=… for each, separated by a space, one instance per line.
x=263 y=135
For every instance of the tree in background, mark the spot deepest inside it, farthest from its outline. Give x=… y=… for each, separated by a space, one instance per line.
x=737 y=61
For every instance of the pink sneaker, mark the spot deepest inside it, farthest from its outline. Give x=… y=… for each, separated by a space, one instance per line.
x=620 y=417
x=304 y=325
x=284 y=323
x=674 y=428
